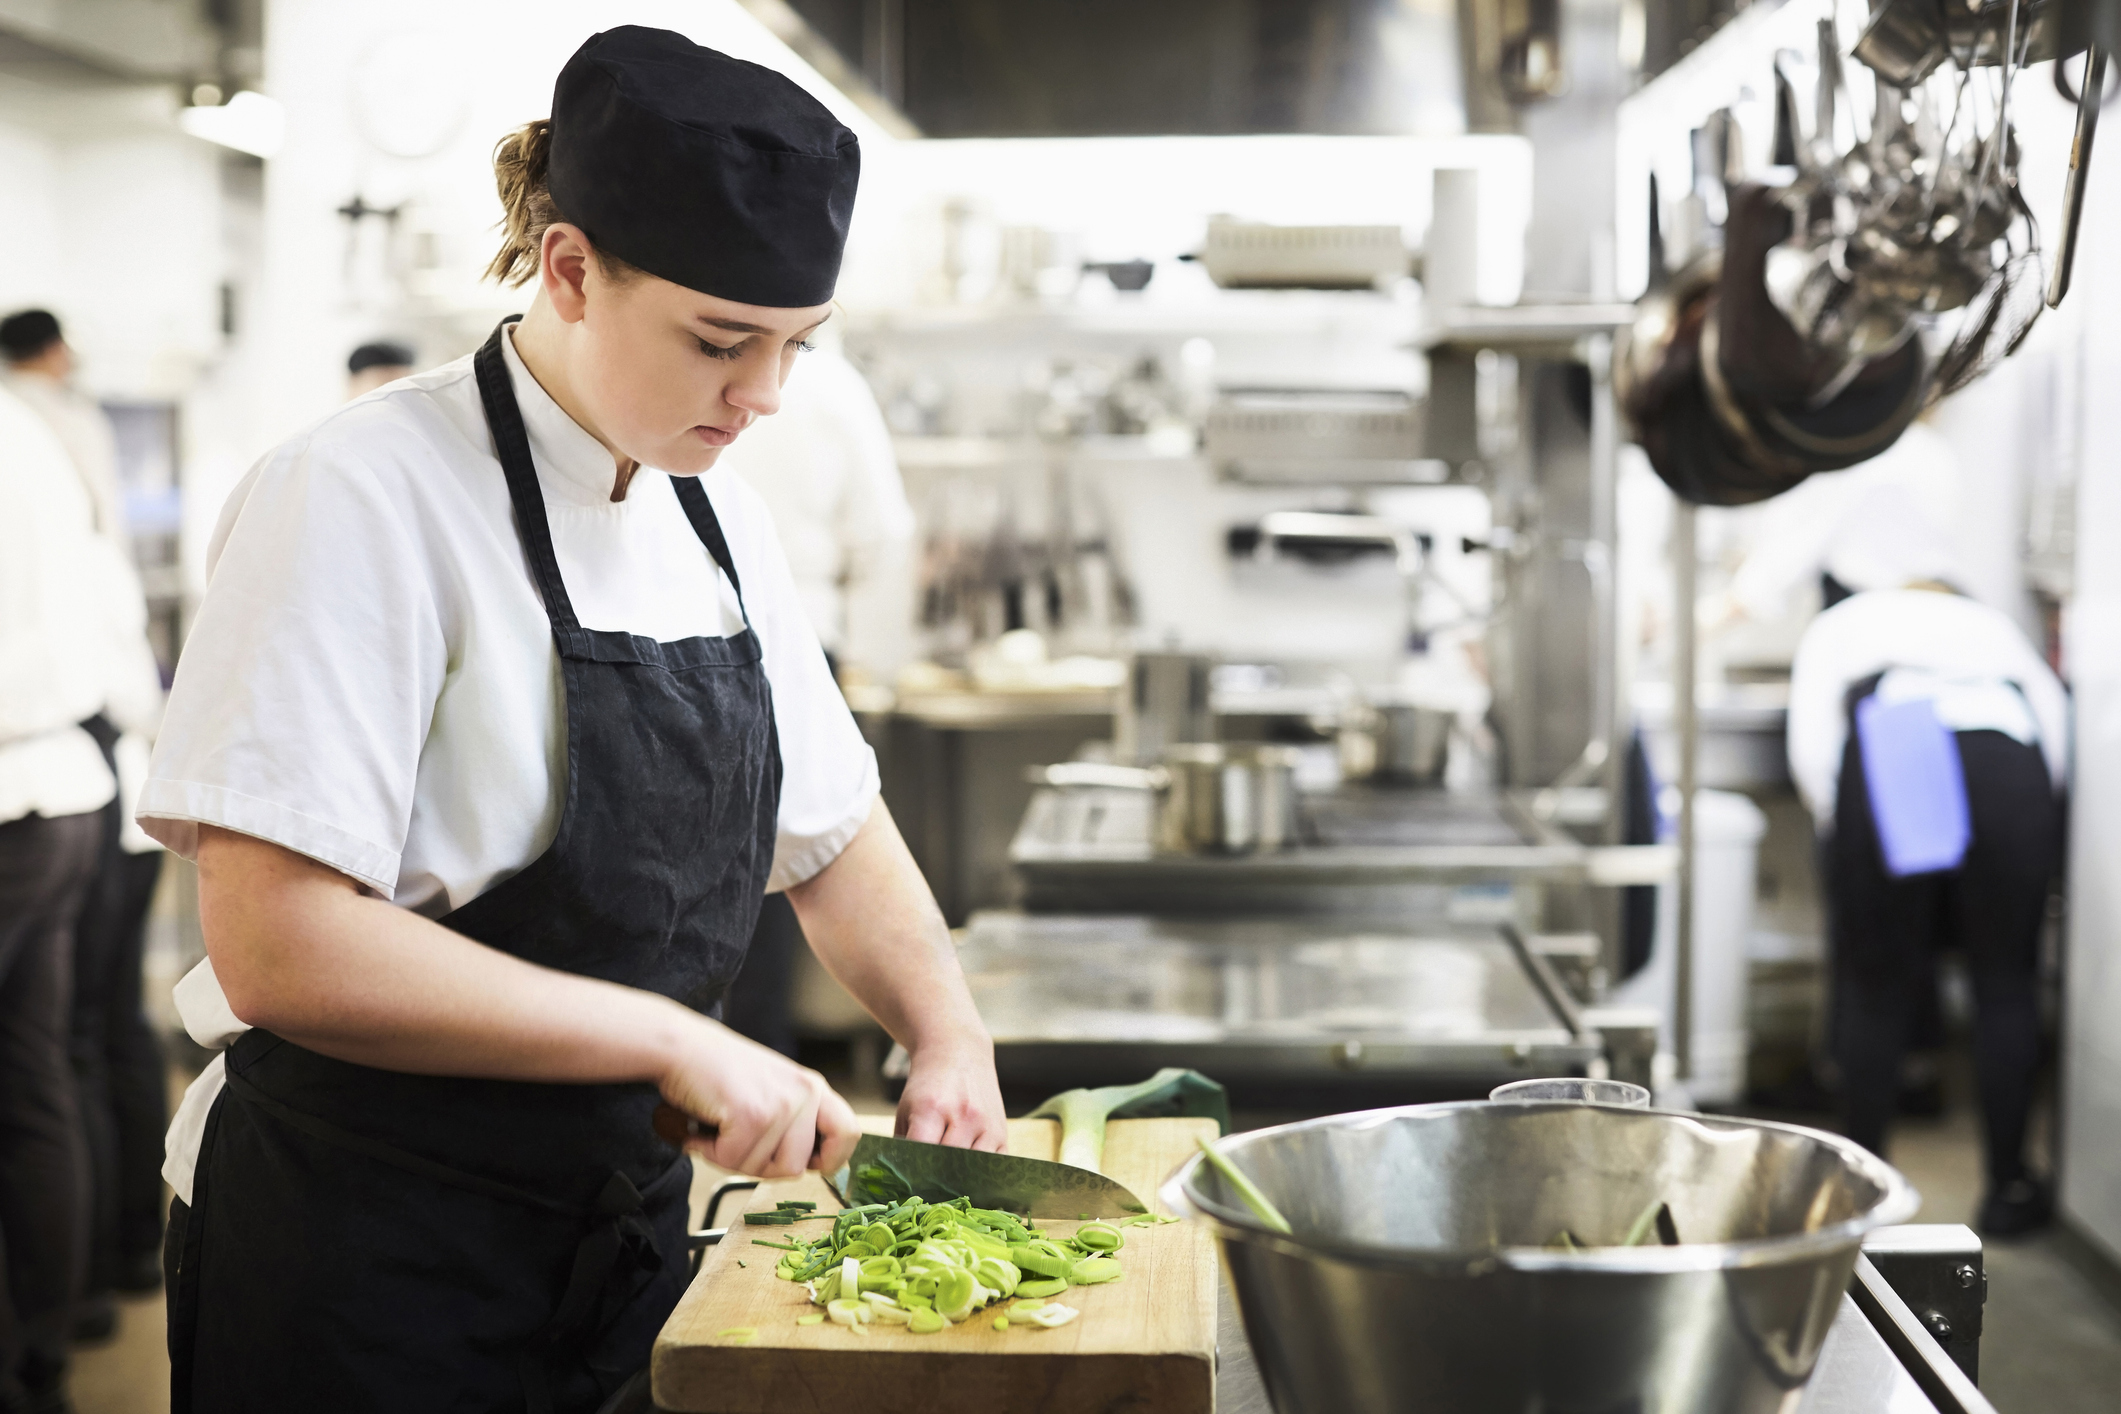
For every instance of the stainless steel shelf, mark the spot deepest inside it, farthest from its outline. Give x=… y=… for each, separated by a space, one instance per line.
x=1090 y=849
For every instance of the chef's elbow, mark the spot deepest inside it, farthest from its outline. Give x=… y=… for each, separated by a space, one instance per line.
x=259 y=910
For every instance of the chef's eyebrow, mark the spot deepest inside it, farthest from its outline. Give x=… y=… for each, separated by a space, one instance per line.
x=737 y=326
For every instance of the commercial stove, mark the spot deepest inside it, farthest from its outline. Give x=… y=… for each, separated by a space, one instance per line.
x=1396 y=942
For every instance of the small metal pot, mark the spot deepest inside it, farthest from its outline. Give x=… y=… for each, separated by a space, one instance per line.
x=1277 y=821
x=1206 y=803
x=1396 y=743
x=1210 y=799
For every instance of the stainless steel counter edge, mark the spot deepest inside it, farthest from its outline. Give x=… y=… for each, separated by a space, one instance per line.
x=1943 y=1381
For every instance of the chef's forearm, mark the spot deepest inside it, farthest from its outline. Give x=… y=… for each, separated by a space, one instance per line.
x=301 y=952
x=873 y=922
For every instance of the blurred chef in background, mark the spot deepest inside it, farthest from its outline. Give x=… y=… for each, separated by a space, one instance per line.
x=117 y=1060
x=40 y=371
x=1873 y=526
x=825 y=468
x=370 y=366
x=1930 y=741
x=54 y=787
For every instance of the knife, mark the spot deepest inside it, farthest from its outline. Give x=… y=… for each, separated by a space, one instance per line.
x=884 y=1170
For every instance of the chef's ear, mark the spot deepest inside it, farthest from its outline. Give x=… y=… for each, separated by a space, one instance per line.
x=564 y=258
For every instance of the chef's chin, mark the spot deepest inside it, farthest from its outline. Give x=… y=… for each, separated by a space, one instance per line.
x=688 y=457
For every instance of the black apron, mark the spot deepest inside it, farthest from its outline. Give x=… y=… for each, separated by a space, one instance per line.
x=368 y=1240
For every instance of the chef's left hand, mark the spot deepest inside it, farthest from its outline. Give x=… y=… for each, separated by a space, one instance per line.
x=952 y=1097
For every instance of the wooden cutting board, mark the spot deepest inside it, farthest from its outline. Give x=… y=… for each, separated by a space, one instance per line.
x=1146 y=1341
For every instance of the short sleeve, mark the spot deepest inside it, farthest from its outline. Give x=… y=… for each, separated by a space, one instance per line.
x=828 y=772
x=308 y=681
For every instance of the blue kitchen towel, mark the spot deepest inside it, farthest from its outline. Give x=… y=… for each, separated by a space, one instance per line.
x=1917 y=786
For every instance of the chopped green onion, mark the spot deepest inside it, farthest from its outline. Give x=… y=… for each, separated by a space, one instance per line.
x=926 y=1265
x=1101 y=1237
x=1265 y=1211
x=815 y=1318
x=1644 y=1222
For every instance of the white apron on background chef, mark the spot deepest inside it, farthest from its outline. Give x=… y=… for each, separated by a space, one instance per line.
x=1930 y=742
x=498 y=718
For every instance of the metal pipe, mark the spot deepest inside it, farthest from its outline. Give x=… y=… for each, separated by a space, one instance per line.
x=1685 y=563
x=2080 y=161
x=1610 y=682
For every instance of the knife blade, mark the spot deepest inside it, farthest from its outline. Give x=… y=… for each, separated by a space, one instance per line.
x=884 y=1169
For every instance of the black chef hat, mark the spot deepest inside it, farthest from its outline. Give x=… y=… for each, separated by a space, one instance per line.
x=718 y=175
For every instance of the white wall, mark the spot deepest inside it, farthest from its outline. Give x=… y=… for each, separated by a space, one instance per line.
x=117 y=233
x=29 y=238
x=117 y=222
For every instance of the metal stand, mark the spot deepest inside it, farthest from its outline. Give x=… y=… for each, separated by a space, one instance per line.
x=1685 y=563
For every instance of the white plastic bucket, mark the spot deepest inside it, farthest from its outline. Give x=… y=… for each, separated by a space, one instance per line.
x=1727 y=832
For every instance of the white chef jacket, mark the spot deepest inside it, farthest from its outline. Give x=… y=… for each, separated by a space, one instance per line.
x=84 y=430
x=1877 y=525
x=371 y=678
x=1965 y=657
x=824 y=466
x=135 y=702
x=58 y=602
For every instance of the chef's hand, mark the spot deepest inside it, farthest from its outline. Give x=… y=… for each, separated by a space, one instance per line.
x=952 y=1097
x=775 y=1118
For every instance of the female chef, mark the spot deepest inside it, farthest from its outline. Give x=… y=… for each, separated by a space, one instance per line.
x=499 y=717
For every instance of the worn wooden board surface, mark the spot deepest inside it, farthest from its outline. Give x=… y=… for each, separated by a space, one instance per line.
x=1145 y=1342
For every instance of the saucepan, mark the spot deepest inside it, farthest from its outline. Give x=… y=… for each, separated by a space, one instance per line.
x=1396 y=743
x=1476 y=1258
x=1211 y=798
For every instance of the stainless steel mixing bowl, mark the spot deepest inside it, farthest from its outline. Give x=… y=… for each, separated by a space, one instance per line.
x=1418 y=1274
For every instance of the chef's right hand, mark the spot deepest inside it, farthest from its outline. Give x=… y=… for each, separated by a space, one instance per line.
x=774 y=1118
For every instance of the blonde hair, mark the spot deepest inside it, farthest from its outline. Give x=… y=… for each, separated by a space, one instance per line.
x=520 y=161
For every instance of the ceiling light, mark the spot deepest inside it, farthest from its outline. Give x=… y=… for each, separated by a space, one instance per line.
x=249 y=122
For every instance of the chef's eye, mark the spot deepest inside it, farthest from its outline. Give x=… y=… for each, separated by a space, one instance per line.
x=717 y=351
x=805 y=346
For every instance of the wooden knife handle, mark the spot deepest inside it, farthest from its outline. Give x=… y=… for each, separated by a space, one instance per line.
x=676 y=1127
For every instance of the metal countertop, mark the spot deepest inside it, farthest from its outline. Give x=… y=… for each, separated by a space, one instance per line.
x=1273 y=997
x=1856 y=1374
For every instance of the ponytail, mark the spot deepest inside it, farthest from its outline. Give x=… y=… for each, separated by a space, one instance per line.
x=519 y=163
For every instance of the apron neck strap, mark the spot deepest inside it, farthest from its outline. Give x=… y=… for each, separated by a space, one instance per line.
x=708 y=526
x=512 y=444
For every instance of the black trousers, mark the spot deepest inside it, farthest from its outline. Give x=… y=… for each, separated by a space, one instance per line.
x=759 y=1003
x=1885 y=934
x=118 y=1066
x=45 y=868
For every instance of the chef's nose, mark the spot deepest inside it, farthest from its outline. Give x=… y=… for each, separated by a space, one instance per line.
x=756 y=388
